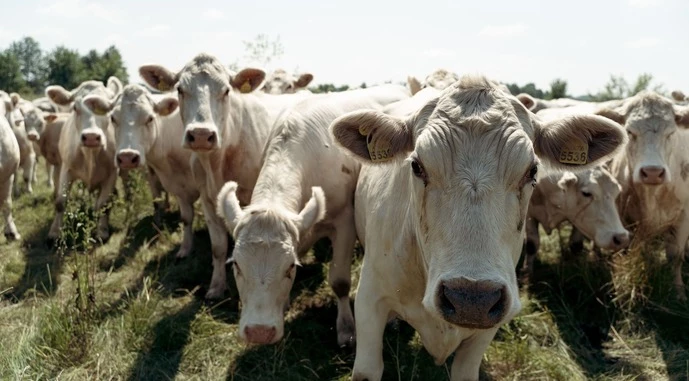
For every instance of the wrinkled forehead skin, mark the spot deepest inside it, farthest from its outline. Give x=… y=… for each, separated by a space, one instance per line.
x=206 y=67
x=648 y=112
x=135 y=97
x=598 y=176
x=91 y=87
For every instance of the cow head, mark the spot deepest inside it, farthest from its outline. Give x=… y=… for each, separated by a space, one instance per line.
x=465 y=165
x=205 y=91
x=280 y=82
x=34 y=122
x=135 y=117
x=587 y=199
x=264 y=259
x=651 y=122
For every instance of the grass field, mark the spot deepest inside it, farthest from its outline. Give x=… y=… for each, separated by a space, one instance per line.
x=141 y=316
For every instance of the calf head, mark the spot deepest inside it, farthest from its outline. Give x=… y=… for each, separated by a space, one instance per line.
x=651 y=121
x=587 y=199
x=35 y=121
x=465 y=164
x=205 y=91
x=280 y=82
x=264 y=259
x=135 y=117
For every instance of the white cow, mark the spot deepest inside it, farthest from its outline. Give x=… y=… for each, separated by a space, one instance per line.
x=584 y=198
x=442 y=220
x=654 y=172
x=49 y=144
x=27 y=161
x=87 y=150
x=227 y=127
x=35 y=120
x=148 y=130
x=280 y=82
x=9 y=163
x=302 y=177
x=439 y=79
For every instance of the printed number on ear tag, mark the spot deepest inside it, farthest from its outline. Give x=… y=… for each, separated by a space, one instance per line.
x=378 y=151
x=574 y=153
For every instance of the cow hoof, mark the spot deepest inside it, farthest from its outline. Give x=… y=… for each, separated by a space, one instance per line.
x=358 y=377
x=50 y=241
x=346 y=335
x=214 y=294
x=12 y=236
x=181 y=254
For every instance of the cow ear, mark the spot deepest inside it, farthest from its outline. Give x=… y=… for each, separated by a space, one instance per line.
x=678 y=95
x=50 y=117
x=314 y=210
x=8 y=107
x=613 y=114
x=578 y=141
x=227 y=206
x=527 y=100
x=98 y=105
x=248 y=80
x=115 y=85
x=372 y=136
x=303 y=80
x=166 y=106
x=15 y=99
x=59 y=95
x=682 y=116
x=414 y=84
x=566 y=180
x=158 y=77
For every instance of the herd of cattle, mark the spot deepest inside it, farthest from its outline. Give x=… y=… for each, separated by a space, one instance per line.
x=437 y=180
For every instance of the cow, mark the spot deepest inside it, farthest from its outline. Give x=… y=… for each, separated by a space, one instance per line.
x=654 y=173
x=49 y=144
x=280 y=82
x=87 y=151
x=35 y=120
x=27 y=155
x=227 y=126
x=148 y=130
x=439 y=79
x=587 y=199
x=9 y=164
x=441 y=204
x=304 y=191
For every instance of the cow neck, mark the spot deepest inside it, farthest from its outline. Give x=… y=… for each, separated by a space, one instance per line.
x=281 y=181
x=168 y=139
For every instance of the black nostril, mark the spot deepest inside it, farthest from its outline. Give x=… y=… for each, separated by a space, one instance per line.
x=119 y=161
x=662 y=173
x=616 y=240
x=211 y=139
x=190 y=138
x=97 y=138
x=498 y=310
x=83 y=139
x=135 y=160
x=445 y=304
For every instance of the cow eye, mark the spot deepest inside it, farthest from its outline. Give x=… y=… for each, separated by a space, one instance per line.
x=288 y=274
x=235 y=266
x=586 y=194
x=226 y=93
x=113 y=120
x=149 y=120
x=418 y=171
x=180 y=92
x=530 y=176
x=631 y=134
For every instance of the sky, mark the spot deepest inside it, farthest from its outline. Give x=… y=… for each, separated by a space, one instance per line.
x=355 y=41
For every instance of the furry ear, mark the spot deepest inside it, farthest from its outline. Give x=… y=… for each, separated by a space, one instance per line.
x=248 y=80
x=682 y=116
x=303 y=80
x=314 y=210
x=50 y=117
x=158 y=77
x=414 y=84
x=59 y=96
x=115 y=85
x=527 y=100
x=16 y=98
x=227 y=206
x=166 y=106
x=678 y=95
x=613 y=114
x=98 y=105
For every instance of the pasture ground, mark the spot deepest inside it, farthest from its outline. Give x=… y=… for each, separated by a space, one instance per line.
x=141 y=315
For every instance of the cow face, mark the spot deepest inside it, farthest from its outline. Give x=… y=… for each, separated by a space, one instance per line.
x=587 y=198
x=465 y=164
x=34 y=122
x=264 y=259
x=651 y=121
x=135 y=118
x=279 y=82
x=205 y=90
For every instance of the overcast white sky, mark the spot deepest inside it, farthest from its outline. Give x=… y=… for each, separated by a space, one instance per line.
x=352 y=41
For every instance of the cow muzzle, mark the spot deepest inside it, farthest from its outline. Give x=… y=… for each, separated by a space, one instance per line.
x=33 y=136
x=91 y=140
x=652 y=175
x=201 y=139
x=261 y=334
x=128 y=159
x=475 y=304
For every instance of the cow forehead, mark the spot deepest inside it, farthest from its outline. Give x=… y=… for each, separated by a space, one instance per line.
x=204 y=67
x=650 y=112
x=265 y=225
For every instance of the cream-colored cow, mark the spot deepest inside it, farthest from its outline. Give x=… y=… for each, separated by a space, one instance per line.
x=281 y=82
x=9 y=163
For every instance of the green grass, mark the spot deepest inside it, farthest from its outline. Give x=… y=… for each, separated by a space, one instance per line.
x=585 y=318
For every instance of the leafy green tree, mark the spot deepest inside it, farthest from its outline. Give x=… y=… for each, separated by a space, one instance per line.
x=31 y=61
x=558 y=89
x=65 y=68
x=11 y=78
x=328 y=87
x=618 y=88
x=529 y=88
x=101 y=67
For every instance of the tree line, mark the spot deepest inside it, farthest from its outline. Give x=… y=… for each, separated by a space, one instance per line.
x=27 y=69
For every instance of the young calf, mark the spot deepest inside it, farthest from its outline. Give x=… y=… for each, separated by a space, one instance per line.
x=440 y=210
x=303 y=175
x=584 y=198
x=148 y=131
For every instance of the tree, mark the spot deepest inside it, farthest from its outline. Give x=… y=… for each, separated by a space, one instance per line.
x=65 y=68
x=10 y=73
x=101 y=67
x=529 y=88
x=558 y=89
x=262 y=50
x=31 y=61
x=618 y=88
x=328 y=88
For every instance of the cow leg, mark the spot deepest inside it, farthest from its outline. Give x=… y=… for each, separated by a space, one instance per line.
x=156 y=192
x=11 y=232
x=104 y=196
x=63 y=185
x=28 y=169
x=55 y=180
x=576 y=241
x=186 y=209
x=218 y=234
x=50 y=169
x=533 y=241
x=15 y=183
x=675 y=244
x=371 y=317
x=340 y=275
x=467 y=361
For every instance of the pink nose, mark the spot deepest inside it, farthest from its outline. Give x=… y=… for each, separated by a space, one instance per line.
x=90 y=139
x=260 y=334
x=652 y=175
x=33 y=136
x=128 y=159
x=201 y=139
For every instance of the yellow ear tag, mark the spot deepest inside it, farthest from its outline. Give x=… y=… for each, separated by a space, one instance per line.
x=575 y=153
x=379 y=151
x=162 y=86
x=245 y=88
x=99 y=111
